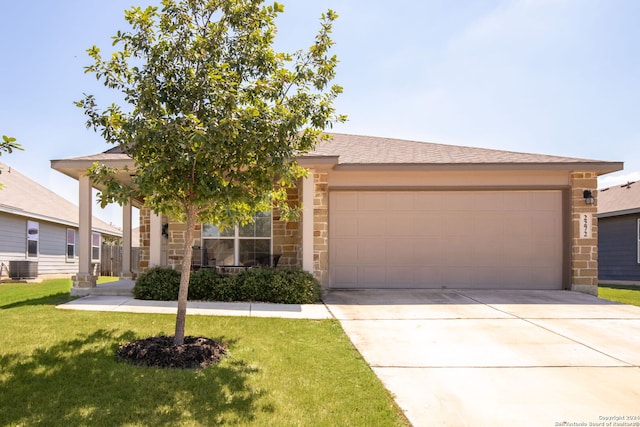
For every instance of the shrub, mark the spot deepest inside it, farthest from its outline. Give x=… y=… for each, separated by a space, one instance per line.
x=295 y=286
x=285 y=286
x=157 y=283
x=253 y=284
x=208 y=285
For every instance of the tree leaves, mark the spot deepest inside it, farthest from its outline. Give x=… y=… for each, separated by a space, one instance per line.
x=213 y=117
x=8 y=144
x=206 y=75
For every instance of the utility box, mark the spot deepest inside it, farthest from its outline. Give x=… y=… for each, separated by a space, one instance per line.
x=23 y=269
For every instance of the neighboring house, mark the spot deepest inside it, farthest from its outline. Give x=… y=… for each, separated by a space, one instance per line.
x=39 y=230
x=388 y=213
x=619 y=234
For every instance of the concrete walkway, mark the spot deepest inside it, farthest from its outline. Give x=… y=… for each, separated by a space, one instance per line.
x=130 y=305
x=474 y=358
x=499 y=358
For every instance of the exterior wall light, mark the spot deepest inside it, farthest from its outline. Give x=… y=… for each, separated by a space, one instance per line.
x=588 y=197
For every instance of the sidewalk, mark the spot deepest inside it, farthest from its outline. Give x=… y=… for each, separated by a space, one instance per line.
x=126 y=304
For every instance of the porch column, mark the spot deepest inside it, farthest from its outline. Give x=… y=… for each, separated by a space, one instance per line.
x=85 y=277
x=155 y=240
x=307 y=222
x=126 y=242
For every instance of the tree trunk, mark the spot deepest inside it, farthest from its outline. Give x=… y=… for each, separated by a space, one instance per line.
x=181 y=316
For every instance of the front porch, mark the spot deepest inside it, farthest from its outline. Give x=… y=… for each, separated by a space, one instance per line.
x=161 y=239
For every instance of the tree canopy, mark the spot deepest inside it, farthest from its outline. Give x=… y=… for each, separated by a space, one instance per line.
x=8 y=144
x=212 y=115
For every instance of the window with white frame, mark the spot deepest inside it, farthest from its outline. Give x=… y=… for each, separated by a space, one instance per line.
x=241 y=245
x=638 y=251
x=96 y=239
x=71 y=244
x=33 y=239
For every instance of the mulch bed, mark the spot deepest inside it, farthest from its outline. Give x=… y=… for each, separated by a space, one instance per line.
x=196 y=352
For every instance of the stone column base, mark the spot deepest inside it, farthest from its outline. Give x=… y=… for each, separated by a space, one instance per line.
x=585 y=289
x=83 y=280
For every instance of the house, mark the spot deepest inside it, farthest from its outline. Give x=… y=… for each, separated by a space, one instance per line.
x=619 y=234
x=39 y=230
x=389 y=213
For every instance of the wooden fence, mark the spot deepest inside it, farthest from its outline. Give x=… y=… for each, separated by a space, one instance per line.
x=111 y=260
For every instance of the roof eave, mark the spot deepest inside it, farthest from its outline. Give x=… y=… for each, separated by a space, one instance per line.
x=40 y=217
x=618 y=213
x=74 y=168
x=600 y=168
x=330 y=161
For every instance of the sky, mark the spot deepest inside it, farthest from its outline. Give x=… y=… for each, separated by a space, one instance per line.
x=557 y=77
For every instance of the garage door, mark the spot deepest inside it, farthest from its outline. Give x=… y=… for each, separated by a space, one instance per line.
x=446 y=239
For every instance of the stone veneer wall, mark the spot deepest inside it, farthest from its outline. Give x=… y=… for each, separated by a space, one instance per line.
x=145 y=238
x=584 y=256
x=175 y=243
x=287 y=238
x=321 y=227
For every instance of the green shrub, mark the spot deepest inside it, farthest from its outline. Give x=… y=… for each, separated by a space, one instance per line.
x=295 y=286
x=285 y=286
x=253 y=284
x=208 y=285
x=157 y=283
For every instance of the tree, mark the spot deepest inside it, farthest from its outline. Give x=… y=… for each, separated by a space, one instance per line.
x=8 y=144
x=213 y=116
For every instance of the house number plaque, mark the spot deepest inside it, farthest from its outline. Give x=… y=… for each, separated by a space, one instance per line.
x=586 y=222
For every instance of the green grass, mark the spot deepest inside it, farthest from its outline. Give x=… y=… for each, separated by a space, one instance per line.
x=57 y=367
x=620 y=293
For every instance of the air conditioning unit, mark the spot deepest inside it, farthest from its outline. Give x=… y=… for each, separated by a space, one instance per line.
x=23 y=269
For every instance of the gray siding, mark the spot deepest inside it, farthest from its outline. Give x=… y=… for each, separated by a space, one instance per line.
x=52 y=245
x=12 y=238
x=618 y=248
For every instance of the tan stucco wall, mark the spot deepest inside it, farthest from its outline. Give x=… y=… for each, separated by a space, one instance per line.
x=386 y=179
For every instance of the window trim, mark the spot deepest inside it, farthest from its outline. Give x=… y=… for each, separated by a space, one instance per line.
x=96 y=260
x=236 y=238
x=74 y=244
x=32 y=237
x=638 y=242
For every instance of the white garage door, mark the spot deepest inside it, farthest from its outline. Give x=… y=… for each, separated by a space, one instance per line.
x=446 y=239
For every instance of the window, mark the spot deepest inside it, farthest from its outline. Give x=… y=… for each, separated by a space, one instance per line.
x=240 y=245
x=71 y=244
x=33 y=238
x=638 y=251
x=95 y=247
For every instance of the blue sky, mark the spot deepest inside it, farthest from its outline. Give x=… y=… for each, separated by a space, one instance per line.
x=555 y=77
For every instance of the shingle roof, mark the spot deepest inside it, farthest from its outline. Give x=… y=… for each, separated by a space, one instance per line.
x=357 y=149
x=619 y=199
x=25 y=197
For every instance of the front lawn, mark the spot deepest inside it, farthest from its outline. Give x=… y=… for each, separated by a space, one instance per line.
x=57 y=367
x=620 y=293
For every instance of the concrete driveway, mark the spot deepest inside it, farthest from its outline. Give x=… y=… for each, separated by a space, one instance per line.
x=499 y=358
